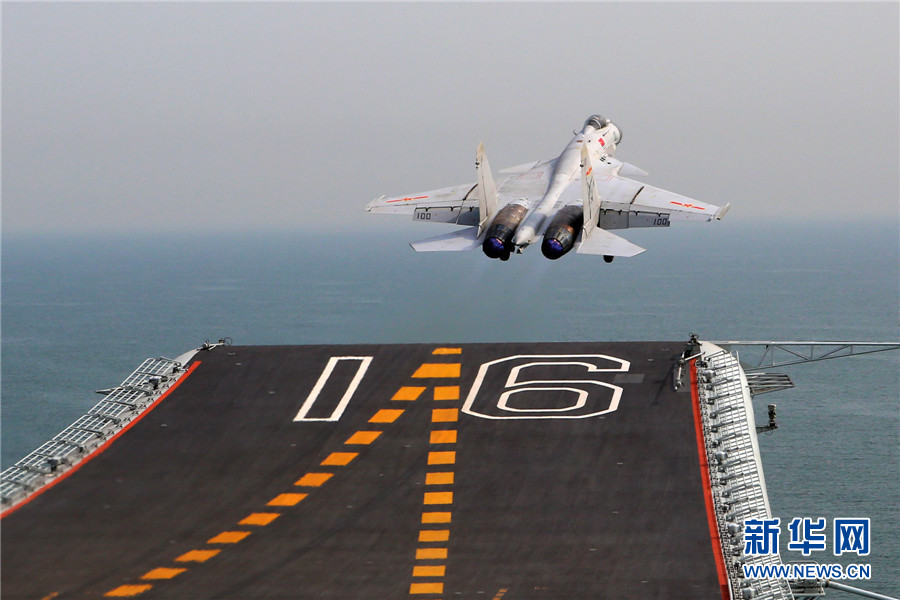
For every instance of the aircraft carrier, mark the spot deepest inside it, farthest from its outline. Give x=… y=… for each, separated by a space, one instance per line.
x=487 y=471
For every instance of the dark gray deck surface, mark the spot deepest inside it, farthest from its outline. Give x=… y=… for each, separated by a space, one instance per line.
x=200 y=498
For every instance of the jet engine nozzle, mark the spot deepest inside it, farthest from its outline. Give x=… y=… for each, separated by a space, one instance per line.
x=498 y=239
x=562 y=232
x=494 y=247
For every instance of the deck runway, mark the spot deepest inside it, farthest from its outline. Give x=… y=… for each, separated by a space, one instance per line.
x=484 y=471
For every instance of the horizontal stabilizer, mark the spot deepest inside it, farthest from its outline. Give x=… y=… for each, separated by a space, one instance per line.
x=605 y=243
x=464 y=239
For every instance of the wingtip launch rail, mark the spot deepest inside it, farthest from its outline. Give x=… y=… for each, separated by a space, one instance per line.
x=536 y=201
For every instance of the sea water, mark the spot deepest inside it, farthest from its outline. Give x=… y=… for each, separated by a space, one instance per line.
x=80 y=313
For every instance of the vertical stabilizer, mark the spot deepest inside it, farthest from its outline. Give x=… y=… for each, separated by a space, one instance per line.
x=487 y=190
x=590 y=196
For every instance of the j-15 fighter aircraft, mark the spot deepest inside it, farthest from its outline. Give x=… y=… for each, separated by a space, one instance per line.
x=571 y=201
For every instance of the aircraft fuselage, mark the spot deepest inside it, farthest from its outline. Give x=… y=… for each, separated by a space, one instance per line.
x=567 y=167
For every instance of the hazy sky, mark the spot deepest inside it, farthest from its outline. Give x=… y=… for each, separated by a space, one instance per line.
x=229 y=117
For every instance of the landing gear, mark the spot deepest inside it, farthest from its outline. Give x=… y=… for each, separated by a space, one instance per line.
x=608 y=258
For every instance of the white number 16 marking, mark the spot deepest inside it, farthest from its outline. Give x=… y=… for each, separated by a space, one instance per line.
x=591 y=397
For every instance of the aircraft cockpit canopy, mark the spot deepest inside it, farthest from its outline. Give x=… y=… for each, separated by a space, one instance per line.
x=599 y=122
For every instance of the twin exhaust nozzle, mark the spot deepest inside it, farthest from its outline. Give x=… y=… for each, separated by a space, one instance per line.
x=559 y=238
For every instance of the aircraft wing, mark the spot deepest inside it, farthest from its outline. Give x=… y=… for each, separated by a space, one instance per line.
x=678 y=207
x=456 y=204
x=621 y=193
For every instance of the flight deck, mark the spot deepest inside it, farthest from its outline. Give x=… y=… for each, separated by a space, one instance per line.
x=484 y=471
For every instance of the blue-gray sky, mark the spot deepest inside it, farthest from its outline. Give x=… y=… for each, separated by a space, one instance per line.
x=229 y=117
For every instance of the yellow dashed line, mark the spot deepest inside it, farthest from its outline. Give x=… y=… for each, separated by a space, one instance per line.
x=197 y=556
x=441 y=458
x=438 y=498
x=313 y=479
x=434 y=535
x=439 y=479
x=444 y=415
x=442 y=498
x=286 y=500
x=409 y=393
x=339 y=459
x=163 y=573
x=228 y=537
x=259 y=519
x=437 y=370
x=436 y=517
x=386 y=415
x=405 y=393
x=431 y=553
x=426 y=588
x=443 y=437
x=446 y=392
x=124 y=591
x=363 y=437
x=429 y=571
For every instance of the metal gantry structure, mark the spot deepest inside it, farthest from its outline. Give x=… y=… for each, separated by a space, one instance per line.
x=781 y=354
x=121 y=405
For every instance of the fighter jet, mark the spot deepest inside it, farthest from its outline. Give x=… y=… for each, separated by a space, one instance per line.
x=569 y=202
